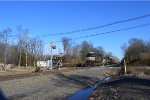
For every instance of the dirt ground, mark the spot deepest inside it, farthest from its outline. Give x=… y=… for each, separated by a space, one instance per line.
x=23 y=72
x=16 y=70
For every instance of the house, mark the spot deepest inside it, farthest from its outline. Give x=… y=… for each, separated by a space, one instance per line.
x=44 y=63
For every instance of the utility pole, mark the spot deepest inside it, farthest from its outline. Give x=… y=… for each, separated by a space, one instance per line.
x=20 y=50
x=125 y=67
x=51 y=56
x=26 y=49
x=5 y=32
x=59 y=59
x=35 y=54
x=52 y=46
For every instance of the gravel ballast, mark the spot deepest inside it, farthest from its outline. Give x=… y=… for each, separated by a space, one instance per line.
x=51 y=86
x=123 y=89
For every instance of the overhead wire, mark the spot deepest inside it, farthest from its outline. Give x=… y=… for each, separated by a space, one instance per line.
x=113 y=31
x=93 y=28
x=101 y=26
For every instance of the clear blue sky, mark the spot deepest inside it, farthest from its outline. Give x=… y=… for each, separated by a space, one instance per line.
x=55 y=17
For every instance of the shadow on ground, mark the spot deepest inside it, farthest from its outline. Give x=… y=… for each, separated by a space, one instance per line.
x=2 y=96
x=82 y=81
x=123 y=88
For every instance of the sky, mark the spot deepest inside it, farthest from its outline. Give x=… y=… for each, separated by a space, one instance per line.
x=47 y=17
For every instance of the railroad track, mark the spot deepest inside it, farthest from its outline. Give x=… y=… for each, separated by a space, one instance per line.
x=26 y=75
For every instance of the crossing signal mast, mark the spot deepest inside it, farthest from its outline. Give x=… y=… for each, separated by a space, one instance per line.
x=52 y=46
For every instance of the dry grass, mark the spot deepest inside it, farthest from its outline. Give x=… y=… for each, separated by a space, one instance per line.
x=139 y=71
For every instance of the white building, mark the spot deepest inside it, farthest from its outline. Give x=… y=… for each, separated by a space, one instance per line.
x=44 y=63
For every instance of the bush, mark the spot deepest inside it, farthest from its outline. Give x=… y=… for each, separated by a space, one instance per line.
x=129 y=70
x=37 y=69
x=145 y=59
x=80 y=64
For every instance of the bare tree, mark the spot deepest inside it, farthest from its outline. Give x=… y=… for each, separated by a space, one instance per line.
x=66 y=45
x=147 y=46
x=67 y=49
x=135 y=49
x=20 y=31
x=85 y=48
x=123 y=47
x=12 y=54
x=6 y=32
x=1 y=37
x=22 y=45
x=138 y=52
x=35 y=50
x=2 y=48
x=76 y=53
x=100 y=50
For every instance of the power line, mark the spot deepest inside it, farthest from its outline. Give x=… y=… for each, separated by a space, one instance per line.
x=102 y=26
x=118 y=30
x=93 y=28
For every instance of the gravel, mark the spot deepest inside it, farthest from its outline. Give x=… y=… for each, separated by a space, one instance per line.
x=128 y=89
x=51 y=86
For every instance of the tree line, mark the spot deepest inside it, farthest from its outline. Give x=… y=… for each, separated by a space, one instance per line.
x=137 y=52
x=14 y=52
x=75 y=54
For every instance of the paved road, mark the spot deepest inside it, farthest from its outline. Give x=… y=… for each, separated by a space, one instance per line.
x=52 y=86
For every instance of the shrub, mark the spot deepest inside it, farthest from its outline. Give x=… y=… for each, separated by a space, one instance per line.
x=128 y=70
x=37 y=69
x=80 y=64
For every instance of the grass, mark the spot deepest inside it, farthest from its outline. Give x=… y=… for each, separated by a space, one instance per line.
x=137 y=71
